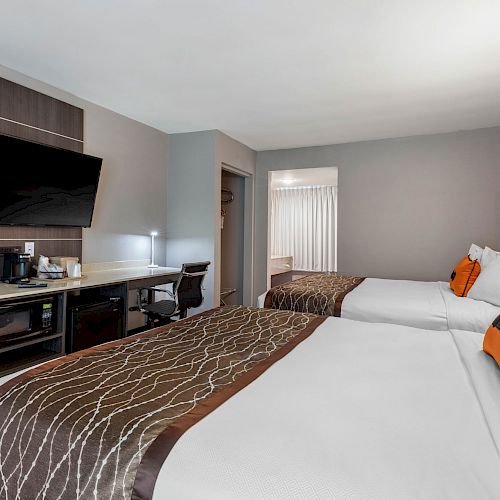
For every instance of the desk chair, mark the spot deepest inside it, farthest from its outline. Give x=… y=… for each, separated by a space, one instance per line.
x=187 y=292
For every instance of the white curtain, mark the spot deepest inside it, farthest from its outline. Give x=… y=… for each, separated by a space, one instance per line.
x=303 y=226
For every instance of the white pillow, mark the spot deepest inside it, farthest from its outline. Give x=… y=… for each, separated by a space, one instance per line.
x=487 y=285
x=475 y=252
x=488 y=256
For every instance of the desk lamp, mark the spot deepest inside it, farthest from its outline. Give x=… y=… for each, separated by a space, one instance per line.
x=153 y=234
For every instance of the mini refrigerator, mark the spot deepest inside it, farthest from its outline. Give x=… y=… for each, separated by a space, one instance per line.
x=94 y=323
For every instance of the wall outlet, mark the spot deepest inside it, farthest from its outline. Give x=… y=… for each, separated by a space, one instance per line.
x=29 y=247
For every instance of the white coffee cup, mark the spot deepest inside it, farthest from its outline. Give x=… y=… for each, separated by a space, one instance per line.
x=74 y=270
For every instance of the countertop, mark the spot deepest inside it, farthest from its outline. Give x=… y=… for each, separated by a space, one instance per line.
x=90 y=279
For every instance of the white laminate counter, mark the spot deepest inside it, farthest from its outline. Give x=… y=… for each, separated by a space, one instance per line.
x=90 y=279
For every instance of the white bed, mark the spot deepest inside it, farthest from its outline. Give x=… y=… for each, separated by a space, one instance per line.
x=353 y=415
x=357 y=411
x=421 y=304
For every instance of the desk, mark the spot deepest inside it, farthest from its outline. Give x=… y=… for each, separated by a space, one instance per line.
x=114 y=283
x=135 y=277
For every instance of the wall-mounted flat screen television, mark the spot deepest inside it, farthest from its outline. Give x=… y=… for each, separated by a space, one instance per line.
x=46 y=186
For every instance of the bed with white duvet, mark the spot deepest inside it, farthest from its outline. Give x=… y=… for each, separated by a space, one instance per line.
x=421 y=304
x=355 y=411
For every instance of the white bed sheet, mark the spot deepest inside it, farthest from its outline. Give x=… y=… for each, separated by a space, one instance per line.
x=357 y=411
x=467 y=314
x=421 y=304
x=412 y=303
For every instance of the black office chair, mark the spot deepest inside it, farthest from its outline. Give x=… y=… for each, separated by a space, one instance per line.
x=187 y=292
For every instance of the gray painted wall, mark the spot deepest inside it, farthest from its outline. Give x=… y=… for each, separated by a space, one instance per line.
x=235 y=155
x=132 y=192
x=407 y=208
x=193 y=201
x=192 y=206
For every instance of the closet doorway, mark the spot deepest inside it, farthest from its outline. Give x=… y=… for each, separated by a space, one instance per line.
x=302 y=223
x=232 y=237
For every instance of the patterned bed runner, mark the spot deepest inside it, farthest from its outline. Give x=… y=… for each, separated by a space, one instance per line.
x=316 y=293
x=98 y=424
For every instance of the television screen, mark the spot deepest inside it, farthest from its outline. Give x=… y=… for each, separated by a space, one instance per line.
x=46 y=186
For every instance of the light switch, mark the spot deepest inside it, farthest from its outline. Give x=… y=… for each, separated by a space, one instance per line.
x=29 y=247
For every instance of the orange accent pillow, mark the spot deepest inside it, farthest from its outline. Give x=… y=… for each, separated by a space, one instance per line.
x=463 y=276
x=491 y=342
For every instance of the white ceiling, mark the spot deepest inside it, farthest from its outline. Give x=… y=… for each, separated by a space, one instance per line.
x=325 y=176
x=270 y=73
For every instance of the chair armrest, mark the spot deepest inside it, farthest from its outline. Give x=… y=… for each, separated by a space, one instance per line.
x=160 y=290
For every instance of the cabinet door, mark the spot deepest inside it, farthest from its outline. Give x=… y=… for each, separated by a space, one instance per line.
x=95 y=324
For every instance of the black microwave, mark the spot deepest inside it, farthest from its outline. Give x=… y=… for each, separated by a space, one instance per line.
x=20 y=321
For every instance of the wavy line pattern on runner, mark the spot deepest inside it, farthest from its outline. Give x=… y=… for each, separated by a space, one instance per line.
x=320 y=293
x=80 y=428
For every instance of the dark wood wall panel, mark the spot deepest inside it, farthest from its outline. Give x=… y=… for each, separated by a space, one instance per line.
x=32 y=134
x=52 y=248
x=55 y=233
x=32 y=108
x=43 y=119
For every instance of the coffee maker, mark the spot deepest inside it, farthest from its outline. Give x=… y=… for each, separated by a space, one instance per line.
x=14 y=265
